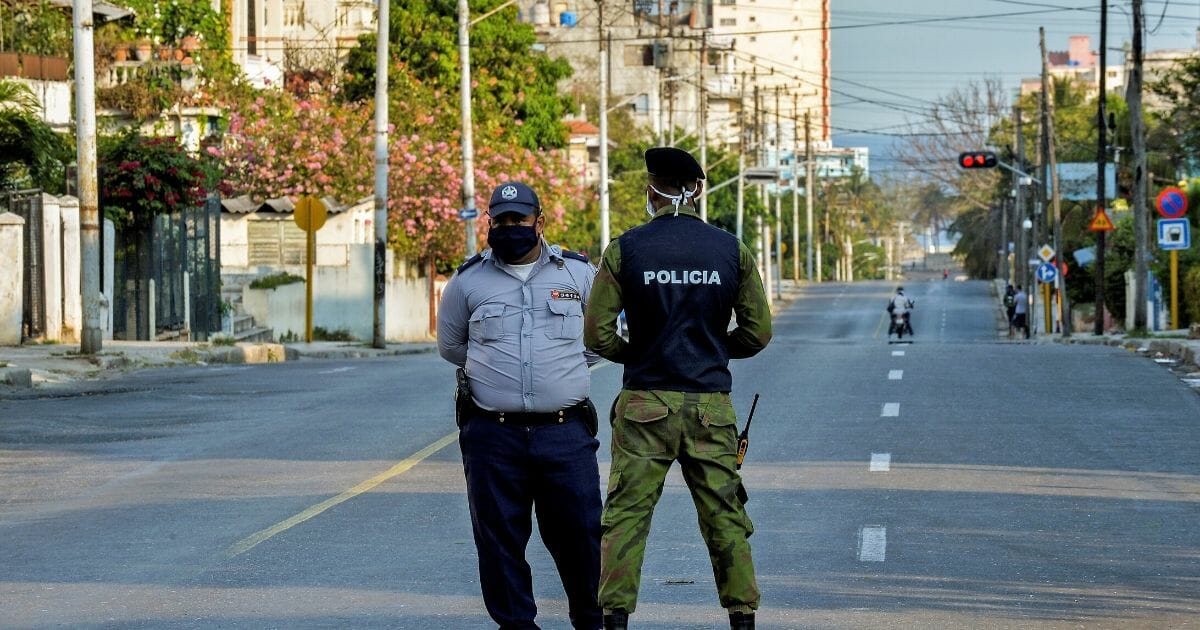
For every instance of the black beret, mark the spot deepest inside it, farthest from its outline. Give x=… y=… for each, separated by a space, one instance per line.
x=672 y=163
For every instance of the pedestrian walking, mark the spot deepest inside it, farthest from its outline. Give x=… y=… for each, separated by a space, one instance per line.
x=1010 y=306
x=1021 y=311
x=512 y=320
x=678 y=280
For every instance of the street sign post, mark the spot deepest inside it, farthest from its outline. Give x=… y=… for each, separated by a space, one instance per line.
x=1172 y=203
x=1046 y=253
x=310 y=215
x=1174 y=235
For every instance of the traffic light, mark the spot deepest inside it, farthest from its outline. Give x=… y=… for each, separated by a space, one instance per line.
x=977 y=159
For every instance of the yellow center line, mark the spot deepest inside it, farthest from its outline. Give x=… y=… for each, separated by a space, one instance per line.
x=879 y=326
x=248 y=543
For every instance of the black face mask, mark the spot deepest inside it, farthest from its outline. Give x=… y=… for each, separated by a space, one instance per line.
x=512 y=242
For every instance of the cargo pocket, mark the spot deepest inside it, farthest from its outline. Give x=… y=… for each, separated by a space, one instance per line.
x=487 y=323
x=718 y=428
x=642 y=426
x=566 y=319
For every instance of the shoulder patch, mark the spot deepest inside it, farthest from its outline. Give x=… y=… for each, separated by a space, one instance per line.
x=470 y=261
x=574 y=255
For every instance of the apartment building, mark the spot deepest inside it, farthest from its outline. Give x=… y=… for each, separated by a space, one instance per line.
x=270 y=37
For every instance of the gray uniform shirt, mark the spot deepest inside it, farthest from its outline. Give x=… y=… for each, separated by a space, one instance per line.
x=521 y=342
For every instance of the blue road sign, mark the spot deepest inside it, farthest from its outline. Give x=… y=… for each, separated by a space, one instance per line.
x=1172 y=203
x=1174 y=234
x=468 y=213
x=1046 y=273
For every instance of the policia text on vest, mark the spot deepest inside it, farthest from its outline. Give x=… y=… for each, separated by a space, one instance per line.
x=682 y=277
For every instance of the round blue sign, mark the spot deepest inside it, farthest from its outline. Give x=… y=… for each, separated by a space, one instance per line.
x=1046 y=272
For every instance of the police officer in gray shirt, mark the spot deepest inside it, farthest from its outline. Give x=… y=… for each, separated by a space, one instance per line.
x=512 y=320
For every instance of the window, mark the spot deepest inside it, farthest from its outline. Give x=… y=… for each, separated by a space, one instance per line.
x=251 y=30
x=753 y=38
x=728 y=2
x=753 y=19
x=641 y=104
x=639 y=55
x=728 y=21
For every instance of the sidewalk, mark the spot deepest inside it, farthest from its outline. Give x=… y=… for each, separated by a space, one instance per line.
x=1167 y=346
x=38 y=365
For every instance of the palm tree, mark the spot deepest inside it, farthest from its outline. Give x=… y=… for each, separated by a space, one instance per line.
x=31 y=153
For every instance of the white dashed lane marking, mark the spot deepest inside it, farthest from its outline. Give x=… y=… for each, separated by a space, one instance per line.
x=872 y=544
x=895 y=375
x=890 y=410
x=336 y=370
x=897 y=353
x=880 y=462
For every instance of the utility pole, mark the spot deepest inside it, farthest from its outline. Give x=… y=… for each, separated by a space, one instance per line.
x=660 y=63
x=703 y=103
x=1022 y=262
x=468 y=145
x=795 y=190
x=1138 y=130
x=379 y=328
x=92 y=339
x=1101 y=158
x=741 y=183
x=778 y=202
x=1048 y=114
x=809 y=192
x=604 y=233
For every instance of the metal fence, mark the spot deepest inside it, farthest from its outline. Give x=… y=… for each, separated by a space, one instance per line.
x=149 y=275
x=28 y=205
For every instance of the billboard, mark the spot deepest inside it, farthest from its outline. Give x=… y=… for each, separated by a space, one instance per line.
x=1077 y=181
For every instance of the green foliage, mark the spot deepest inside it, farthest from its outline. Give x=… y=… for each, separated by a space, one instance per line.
x=1180 y=120
x=31 y=153
x=222 y=340
x=35 y=27
x=1191 y=294
x=321 y=334
x=166 y=23
x=144 y=97
x=141 y=177
x=514 y=91
x=977 y=243
x=275 y=280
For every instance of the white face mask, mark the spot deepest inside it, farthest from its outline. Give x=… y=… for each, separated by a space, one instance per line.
x=675 y=200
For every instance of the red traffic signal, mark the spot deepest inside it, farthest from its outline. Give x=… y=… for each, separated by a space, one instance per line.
x=977 y=159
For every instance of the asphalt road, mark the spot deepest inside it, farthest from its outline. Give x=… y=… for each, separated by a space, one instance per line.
x=961 y=481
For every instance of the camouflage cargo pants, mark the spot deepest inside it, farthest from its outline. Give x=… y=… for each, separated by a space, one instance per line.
x=652 y=429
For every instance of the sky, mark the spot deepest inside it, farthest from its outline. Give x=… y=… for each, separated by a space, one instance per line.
x=878 y=63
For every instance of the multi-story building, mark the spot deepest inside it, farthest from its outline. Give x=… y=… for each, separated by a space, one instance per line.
x=762 y=58
x=271 y=37
x=1081 y=65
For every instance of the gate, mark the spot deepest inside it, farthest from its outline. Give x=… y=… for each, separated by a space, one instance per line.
x=28 y=205
x=150 y=299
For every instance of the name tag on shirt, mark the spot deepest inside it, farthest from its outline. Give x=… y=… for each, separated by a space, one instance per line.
x=556 y=294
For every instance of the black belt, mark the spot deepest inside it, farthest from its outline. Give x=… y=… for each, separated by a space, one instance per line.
x=578 y=411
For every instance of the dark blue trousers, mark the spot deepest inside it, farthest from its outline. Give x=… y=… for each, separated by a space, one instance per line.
x=511 y=471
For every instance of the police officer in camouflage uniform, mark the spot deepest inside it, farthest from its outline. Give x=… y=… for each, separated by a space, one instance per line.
x=512 y=320
x=678 y=279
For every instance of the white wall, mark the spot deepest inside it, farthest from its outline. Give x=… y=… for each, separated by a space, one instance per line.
x=54 y=97
x=52 y=249
x=12 y=269
x=343 y=299
x=72 y=305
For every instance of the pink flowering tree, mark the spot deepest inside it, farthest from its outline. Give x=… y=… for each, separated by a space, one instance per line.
x=288 y=144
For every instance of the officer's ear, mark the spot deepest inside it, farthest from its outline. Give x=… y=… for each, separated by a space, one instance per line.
x=540 y=223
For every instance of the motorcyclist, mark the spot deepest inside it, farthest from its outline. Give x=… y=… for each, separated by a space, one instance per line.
x=901 y=305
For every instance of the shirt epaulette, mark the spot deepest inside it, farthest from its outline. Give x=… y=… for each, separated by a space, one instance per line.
x=470 y=261
x=574 y=255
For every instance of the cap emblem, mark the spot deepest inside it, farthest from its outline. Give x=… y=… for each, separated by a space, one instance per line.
x=508 y=193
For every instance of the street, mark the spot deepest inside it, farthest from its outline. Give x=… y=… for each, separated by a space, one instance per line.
x=962 y=481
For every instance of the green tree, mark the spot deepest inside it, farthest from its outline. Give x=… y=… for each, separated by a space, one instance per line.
x=1180 y=120
x=31 y=153
x=515 y=89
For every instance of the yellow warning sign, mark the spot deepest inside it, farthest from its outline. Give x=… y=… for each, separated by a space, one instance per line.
x=1101 y=222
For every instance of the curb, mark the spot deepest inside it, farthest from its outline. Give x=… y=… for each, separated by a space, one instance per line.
x=16 y=377
x=1184 y=352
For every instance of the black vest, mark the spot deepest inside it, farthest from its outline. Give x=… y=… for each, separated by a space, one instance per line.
x=679 y=280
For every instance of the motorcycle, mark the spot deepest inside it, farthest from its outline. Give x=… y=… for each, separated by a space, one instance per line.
x=901 y=323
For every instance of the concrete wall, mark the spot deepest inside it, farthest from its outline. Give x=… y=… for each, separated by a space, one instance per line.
x=343 y=300
x=12 y=270
x=341 y=230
